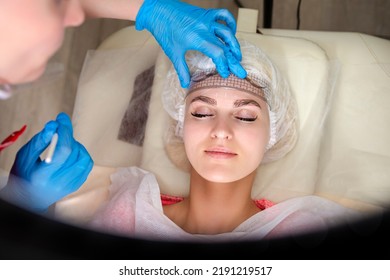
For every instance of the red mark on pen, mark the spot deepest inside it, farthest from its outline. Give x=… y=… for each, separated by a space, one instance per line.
x=12 y=138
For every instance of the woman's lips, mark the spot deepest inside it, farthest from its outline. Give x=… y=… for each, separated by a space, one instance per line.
x=220 y=153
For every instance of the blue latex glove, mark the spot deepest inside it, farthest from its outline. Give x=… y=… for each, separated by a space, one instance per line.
x=35 y=184
x=179 y=27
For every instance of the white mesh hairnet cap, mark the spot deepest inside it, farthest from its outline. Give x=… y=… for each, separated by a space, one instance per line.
x=283 y=110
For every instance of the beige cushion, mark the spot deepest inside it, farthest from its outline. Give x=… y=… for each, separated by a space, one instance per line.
x=105 y=89
x=355 y=156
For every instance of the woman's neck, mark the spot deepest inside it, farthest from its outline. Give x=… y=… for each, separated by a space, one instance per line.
x=213 y=208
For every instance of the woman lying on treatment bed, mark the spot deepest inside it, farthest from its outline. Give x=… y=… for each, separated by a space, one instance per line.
x=227 y=128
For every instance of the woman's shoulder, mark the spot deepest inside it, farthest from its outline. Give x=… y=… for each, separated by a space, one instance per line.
x=317 y=206
x=130 y=178
x=118 y=213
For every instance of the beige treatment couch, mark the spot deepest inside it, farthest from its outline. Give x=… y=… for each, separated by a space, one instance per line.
x=341 y=81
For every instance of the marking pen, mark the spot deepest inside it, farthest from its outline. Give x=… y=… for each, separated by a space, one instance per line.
x=51 y=148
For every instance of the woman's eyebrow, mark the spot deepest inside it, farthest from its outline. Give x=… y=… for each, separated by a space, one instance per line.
x=205 y=99
x=244 y=102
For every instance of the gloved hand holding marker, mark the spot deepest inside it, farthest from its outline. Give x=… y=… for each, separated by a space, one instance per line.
x=35 y=183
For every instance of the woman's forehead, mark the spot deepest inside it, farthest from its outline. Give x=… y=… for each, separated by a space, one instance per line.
x=225 y=95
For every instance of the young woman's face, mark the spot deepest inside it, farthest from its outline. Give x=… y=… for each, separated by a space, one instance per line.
x=225 y=133
x=31 y=31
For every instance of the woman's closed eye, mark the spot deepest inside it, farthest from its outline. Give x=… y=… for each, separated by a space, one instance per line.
x=246 y=116
x=246 y=119
x=202 y=112
x=201 y=115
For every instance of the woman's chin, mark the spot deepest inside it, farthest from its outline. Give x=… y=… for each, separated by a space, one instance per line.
x=35 y=74
x=29 y=76
x=219 y=177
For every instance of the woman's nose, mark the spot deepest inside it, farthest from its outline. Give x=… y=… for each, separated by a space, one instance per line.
x=222 y=130
x=74 y=14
